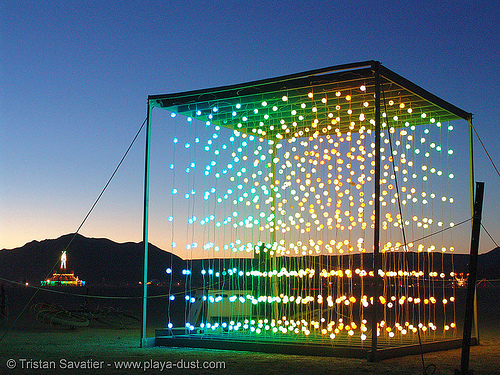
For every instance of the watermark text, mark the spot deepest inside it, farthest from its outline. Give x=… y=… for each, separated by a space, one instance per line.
x=92 y=364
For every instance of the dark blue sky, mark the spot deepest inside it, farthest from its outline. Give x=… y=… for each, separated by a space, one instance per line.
x=75 y=77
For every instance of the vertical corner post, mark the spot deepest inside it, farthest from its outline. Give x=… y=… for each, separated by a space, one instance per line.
x=471 y=190
x=145 y=227
x=376 y=230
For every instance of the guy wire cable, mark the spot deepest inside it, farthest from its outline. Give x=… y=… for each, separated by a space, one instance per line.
x=81 y=225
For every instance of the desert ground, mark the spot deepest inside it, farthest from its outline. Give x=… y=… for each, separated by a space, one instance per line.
x=29 y=345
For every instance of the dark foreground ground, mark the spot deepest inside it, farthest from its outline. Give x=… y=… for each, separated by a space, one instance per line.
x=30 y=345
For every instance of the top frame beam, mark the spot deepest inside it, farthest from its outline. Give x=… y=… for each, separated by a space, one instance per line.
x=340 y=77
x=424 y=94
x=271 y=84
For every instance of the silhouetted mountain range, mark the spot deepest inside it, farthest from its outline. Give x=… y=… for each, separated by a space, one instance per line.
x=102 y=261
x=95 y=260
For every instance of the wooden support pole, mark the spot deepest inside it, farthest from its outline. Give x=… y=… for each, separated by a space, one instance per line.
x=471 y=280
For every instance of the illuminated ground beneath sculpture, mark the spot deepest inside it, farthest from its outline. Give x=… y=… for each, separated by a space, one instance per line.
x=344 y=346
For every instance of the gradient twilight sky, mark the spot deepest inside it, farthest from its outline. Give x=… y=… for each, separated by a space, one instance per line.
x=75 y=76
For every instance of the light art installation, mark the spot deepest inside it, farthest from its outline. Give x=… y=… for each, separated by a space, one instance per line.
x=273 y=202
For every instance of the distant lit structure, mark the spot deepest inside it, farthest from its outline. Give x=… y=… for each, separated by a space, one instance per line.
x=63 y=278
